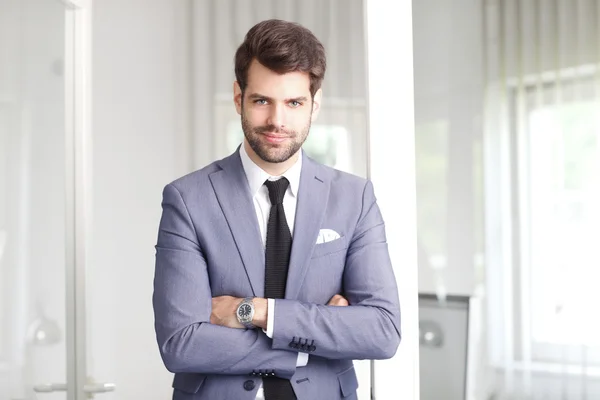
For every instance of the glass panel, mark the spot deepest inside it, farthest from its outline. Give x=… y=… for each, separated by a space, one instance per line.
x=448 y=108
x=449 y=91
x=32 y=199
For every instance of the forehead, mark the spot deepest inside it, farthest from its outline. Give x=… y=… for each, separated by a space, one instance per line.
x=269 y=83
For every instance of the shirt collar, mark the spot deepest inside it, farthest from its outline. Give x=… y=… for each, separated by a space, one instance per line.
x=256 y=176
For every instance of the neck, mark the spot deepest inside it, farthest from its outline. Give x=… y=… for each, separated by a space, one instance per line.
x=273 y=169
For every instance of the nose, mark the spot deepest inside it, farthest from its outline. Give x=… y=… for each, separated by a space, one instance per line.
x=277 y=116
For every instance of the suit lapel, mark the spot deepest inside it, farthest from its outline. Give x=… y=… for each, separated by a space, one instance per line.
x=231 y=187
x=310 y=210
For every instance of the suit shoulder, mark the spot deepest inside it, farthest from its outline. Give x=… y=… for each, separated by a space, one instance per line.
x=345 y=179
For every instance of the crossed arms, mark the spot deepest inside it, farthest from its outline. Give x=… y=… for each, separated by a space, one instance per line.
x=369 y=328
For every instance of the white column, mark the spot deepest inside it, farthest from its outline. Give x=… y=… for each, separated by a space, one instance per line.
x=392 y=170
x=78 y=184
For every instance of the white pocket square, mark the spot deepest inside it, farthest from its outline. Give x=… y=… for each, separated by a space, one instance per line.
x=327 y=235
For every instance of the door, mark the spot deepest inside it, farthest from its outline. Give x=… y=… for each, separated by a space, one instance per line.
x=44 y=134
x=33 y=320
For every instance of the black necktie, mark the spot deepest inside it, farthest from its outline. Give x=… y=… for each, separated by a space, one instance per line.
x=277 y=257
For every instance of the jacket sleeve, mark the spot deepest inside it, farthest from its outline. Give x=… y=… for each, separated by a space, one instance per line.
x=182 y=302
x=369 y=328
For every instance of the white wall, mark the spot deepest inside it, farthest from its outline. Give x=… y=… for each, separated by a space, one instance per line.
x=141 y=142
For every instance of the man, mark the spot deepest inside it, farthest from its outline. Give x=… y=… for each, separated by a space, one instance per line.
x=272 y=271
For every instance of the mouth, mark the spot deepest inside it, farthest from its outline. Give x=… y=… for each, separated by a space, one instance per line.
x=274 y=138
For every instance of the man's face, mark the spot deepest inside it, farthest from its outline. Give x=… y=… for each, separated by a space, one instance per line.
x=276 y=111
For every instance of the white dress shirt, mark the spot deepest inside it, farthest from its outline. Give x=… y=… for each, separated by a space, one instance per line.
x=262 y=205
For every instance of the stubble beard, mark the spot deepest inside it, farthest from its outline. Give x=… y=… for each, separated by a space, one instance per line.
x=272 y=152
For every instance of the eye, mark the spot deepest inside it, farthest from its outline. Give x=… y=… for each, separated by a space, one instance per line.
x=260 y=102
x=295 y=104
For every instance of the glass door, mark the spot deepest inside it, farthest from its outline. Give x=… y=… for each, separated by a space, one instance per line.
x=33 y=201
x=44 y=196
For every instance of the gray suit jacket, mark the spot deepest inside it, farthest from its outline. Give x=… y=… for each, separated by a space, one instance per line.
x=209 y=245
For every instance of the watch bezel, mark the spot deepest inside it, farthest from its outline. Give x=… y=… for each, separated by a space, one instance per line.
x=246 y=321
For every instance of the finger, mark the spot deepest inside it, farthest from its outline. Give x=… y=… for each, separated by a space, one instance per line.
x=343 y=301
x=334 y=299
x=338 y=301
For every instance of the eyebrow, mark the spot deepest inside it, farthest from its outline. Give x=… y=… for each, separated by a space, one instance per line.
x=256 y=96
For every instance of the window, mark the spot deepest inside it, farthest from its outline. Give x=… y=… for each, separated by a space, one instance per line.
x=565 y=222
x=558 y=172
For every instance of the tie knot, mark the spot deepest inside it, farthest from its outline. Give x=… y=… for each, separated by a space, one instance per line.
x=277 y=190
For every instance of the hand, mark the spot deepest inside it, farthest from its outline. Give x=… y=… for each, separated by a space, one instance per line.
x=338 y=300
x=224 y=311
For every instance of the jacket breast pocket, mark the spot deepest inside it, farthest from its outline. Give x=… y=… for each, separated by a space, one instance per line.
x=333 y=246
x=326 y=269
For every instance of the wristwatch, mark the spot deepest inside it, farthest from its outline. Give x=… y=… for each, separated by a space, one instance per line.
x=245 y=313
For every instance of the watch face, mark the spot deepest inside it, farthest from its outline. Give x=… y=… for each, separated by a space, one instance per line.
x=244 y=311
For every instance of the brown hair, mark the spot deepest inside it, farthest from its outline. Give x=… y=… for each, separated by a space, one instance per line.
x=282 y=47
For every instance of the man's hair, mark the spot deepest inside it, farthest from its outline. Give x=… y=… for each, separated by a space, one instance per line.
x=282 y=47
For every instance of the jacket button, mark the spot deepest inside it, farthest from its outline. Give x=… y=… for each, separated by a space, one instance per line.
x=249 y=385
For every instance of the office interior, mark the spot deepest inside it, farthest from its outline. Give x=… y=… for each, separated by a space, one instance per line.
x=104 y=102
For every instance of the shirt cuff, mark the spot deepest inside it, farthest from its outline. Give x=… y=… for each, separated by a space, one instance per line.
x=270 y=317
x=302 y=360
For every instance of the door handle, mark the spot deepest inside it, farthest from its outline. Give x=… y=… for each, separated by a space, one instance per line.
x=99 y=388
x=430 y=334
x=62 y=387
x=50 y=387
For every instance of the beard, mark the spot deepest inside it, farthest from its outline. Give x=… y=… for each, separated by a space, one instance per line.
x=274 y=152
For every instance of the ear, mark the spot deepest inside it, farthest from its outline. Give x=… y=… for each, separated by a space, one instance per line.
x=316 y=104
x=237 y=97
